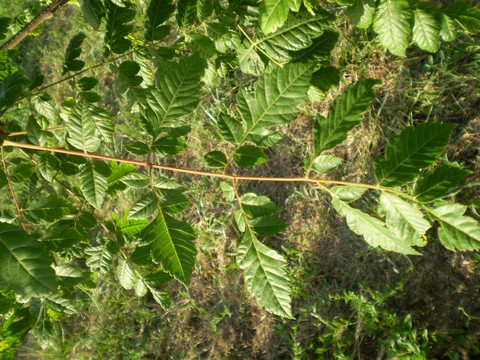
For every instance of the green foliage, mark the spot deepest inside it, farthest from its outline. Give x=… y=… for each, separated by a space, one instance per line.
x=397 y=22
x=99 y=181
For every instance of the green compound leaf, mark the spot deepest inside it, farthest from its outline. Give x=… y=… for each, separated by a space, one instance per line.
x=265 y=275
x=175 y=94
x=73 y=51
x=158 y=12
x=25 y=264
x=172 y=245
x=249 y=155
x=275 y=99
x=205 y=8
x=94 y=183
x=392 y=25
x=296 y=34
x=409 y=152
x=344 y=114
x=373 y=230
x=440 y=182
x=403 y=219
x=457 y=231
x=425 y=30
x=273 y=14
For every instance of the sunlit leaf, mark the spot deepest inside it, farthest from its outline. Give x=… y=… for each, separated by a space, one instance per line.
x=373 y=230
x=457 y=231
x=265 y=275
x=94 y=183
x=392 y=25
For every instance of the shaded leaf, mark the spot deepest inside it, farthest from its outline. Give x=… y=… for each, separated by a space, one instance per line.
x=344 y=114
x=361 y=13
x=325 y=78
x=49 y=209
x=48 y=166
x=249 y=155
x=215 y=159
x=81 y=128
x=118 y=26
x=144 y=208
x=467 y=16
x=413 y=149
x=439 y=182
x=73 y=51
x=275 y=99
x=100 y=257
x=255 y=206
x=172 y=245
x=117 y=172
x=13 y=87
x=175 y=95
x=94 y=12
x=229 y=129
x=186 y=11
x=267 y=225
x=319 y=50
x=25 y=264
x=158 y=12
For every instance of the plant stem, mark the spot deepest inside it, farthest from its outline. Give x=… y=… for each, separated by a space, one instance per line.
x=12 y=192
x=233 y=178
x=46 y=13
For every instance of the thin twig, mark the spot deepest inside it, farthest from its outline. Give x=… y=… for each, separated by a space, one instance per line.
x=12 y=192
x=230 y=177
x=45 y=14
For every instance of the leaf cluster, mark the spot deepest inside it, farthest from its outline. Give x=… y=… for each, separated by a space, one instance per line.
x=73 y=162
